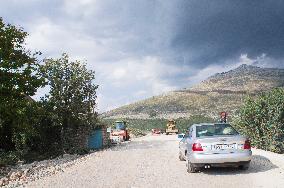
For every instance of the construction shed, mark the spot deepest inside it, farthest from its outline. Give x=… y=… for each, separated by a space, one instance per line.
x=99 y=138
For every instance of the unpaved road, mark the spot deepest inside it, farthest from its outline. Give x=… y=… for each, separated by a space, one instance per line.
x=152 y=161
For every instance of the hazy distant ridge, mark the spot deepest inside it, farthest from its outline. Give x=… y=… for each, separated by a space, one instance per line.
x=220 y=92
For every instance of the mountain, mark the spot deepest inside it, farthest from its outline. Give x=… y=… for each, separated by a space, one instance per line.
x=244 y=78
x=220 y=92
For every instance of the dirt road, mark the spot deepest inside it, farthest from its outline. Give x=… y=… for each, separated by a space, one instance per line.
x=152 y=161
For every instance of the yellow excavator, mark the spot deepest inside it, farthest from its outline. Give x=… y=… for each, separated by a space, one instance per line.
x=171 y=127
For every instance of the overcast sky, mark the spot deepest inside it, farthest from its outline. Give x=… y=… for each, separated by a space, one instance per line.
x=141 y=48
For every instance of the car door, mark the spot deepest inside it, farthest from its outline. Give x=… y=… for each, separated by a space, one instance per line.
x=189 y=140
x=183 y=144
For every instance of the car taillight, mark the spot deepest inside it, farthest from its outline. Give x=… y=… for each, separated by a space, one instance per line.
x=247 y=145
x=197 y=147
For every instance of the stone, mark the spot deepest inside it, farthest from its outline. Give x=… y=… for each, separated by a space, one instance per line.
x=25 y=173
x=15 y=175
x=5 y=181
x=66 y=155
x=34 y=164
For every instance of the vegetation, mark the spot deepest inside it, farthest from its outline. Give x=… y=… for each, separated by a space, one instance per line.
x=221 y=92
x=72 y=95
x=31 y=128
x=149 y=124
x=262 y=119
x=137 y=132
x=19 y=78
x=38 y=129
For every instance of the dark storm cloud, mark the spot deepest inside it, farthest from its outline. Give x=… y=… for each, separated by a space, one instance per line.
x=148 y=47
x=188 y=32
x=193 y=33
x=212 y=31
x=136 y=28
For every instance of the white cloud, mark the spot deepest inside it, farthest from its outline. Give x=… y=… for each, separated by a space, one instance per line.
x=119 y=73
x=210 y=70
x=79 y=8
x=131 y=74
x=129 y=45
x=56 y=39
x=244 y=59
x=132 y=79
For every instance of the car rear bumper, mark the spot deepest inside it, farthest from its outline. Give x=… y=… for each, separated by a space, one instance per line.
x=227 y=164
x=220 y=158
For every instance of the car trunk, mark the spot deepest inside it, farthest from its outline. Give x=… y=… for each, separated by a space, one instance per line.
x=222 y=144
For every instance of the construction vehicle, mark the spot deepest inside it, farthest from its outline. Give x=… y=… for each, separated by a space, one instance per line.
x=120 y=133
x=156 y=131
x=171 y=127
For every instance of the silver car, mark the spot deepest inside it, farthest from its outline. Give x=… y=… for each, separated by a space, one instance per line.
x=209 y=145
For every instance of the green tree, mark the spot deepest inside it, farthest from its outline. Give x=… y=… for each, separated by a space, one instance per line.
x=262 y=119
x=19 y=79
x=72 y=94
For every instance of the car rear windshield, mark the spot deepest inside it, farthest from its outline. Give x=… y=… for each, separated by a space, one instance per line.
x=216 y=129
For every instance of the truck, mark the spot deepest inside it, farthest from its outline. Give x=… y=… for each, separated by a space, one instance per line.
x=171 y=127
x=119 y=133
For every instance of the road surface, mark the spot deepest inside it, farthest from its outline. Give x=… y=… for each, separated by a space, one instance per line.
x=152 y=161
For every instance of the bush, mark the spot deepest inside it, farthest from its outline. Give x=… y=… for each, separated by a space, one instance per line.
x=262 y=119
x=137 y=132
x=9 y=158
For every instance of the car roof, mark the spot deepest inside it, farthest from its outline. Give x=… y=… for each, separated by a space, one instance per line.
x=200 y=124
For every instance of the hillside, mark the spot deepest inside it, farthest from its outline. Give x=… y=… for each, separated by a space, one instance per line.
x=220 y=92
x=244 y=78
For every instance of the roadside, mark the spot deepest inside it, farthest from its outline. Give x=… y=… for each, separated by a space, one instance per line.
x=152 y=161
x=23 y=173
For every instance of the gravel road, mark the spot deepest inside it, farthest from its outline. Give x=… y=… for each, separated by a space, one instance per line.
x=152 y=161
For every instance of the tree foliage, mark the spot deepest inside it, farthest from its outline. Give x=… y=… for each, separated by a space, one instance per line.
x=72 y=89
x=28 y=128
x=72 y=93
x=19 y=79
x=262 y=119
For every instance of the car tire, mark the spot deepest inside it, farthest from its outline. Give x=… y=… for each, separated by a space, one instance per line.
x=181 y=158
x=190 y=168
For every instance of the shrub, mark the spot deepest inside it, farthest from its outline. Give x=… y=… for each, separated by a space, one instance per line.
x=9 y=158
x=262 y=119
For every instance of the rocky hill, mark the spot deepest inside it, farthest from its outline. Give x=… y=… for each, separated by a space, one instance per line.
x=220 y=92
x=244 y=78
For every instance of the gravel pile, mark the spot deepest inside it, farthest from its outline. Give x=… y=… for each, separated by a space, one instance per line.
x=152 y=161
x=23 y=173
x=149 y=161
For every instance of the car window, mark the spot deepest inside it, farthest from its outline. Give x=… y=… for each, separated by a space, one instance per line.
x=216 y=129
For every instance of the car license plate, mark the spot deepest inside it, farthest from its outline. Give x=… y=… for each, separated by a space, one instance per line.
x=223 y=146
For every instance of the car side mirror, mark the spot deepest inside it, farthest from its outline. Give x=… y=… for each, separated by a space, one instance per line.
x=186 y=136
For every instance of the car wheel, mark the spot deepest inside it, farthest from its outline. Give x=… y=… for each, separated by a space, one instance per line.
x=181 y=158
x=190 y=168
